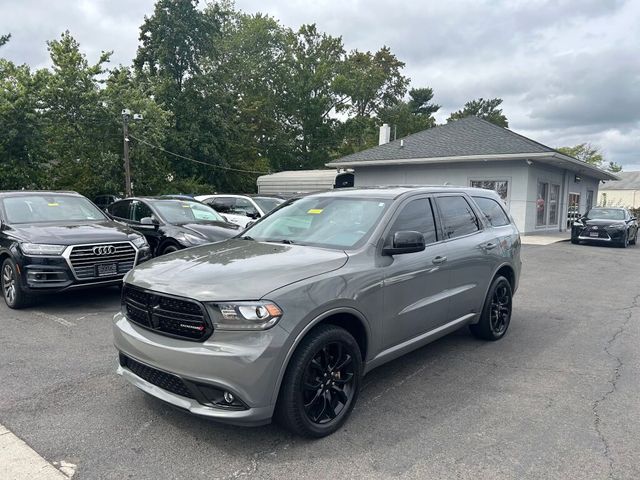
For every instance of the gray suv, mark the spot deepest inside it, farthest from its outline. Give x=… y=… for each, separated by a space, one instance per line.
x=284 y=320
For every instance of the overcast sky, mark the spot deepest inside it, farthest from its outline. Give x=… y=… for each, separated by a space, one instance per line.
x=568 y=71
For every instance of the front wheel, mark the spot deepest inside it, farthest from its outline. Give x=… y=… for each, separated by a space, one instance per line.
x=14 y=295
x=169 y=249
x=321 y=385
x=634 y=239
x=625 y=240
x=496 y=313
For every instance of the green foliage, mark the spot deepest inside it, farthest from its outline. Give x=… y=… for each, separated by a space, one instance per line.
x=485 y=109
x=4 y=39
x=591 y=154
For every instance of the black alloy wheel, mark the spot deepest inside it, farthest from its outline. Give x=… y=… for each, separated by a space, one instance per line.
x=625 y=240
x=321 y=384
x=634 y=239
x=496 y=314
x=328 y=383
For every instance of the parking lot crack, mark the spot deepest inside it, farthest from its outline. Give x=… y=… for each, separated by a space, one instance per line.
x=613 y=381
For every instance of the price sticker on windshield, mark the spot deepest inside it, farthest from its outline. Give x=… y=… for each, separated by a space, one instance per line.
x=314 y=211
x=53 y=204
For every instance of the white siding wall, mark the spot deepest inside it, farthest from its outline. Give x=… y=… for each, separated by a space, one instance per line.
x=523 y=184
x=455 y=174
x=620 y=198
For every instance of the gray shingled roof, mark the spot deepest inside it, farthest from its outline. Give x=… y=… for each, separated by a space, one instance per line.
x=628 y=181
x=467 y=136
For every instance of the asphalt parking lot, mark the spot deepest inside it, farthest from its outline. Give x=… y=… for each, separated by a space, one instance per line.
x=558 y=397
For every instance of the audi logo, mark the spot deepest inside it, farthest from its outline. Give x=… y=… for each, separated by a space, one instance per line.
x=104 y=250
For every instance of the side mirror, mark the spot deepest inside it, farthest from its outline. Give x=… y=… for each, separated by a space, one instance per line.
x=405 y=242
x=2 y=225
x=149 y=222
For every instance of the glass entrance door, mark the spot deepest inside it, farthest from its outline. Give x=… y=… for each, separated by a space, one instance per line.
x=574 y=209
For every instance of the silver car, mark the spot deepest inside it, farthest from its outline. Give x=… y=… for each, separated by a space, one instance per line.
x=286 y=319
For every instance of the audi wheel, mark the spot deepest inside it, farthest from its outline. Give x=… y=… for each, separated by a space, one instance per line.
x=14 y=295
x=320 y=387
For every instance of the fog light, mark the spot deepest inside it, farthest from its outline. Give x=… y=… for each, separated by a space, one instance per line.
x=228 y=397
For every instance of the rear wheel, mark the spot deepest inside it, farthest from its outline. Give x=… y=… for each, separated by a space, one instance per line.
x=496 y=313
x=14 y=295
x=320 y=387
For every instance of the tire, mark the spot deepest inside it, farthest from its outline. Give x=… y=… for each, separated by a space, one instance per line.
x=496 y=313
x=635 y=238
x=575 y=241
x=12 y=292
x=172 y=247
x=625 y=241
x=310 y=392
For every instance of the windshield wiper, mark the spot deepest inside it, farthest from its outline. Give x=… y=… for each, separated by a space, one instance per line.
x=285 y=241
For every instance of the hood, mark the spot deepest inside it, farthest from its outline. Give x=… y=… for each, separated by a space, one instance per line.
x=235 y=269
x=602 y=222
x=213 y=230
x=72 y=233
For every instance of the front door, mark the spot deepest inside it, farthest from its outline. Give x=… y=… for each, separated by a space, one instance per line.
x=415 y=284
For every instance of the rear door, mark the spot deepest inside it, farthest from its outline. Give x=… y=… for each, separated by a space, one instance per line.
x=415 y=284
x=469 y=253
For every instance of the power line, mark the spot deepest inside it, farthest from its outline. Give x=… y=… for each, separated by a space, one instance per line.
x=194 y=160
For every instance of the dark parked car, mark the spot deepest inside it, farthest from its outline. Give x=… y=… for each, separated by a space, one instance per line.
x=285 y=319
x=606 y=225
x=103 y=201
x=53 y=241
x=171 y=224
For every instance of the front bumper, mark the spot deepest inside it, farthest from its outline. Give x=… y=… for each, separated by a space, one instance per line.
x=601 y=235
x=246 y=364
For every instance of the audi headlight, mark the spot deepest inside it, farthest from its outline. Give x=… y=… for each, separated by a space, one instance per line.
x=189 y=240
x=42 y=249
x=244 y=315
x=140 y=242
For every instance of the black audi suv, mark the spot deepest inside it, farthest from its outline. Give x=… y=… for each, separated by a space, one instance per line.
x=171 y=224
x=608 y=225
x=54 y=241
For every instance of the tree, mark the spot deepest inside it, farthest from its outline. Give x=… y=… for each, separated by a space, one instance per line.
x=4 y=39
x=591 y=154
x=485 y=109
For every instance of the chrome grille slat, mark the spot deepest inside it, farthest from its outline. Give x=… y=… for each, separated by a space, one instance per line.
x=83 y=261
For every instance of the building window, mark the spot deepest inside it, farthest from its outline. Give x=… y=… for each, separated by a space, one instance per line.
x=554 y=197
x=541 y=204
x=589 y=199
x=501 y=187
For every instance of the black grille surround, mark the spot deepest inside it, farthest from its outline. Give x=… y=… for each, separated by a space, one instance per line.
x=166 y=381
x=602 y=233
x=84 y=261
x=167 y=315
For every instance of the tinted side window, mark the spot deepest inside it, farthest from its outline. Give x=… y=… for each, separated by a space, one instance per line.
x=244 y=207
x=120 y=209
x=416 y=216
x=140 y=211
x=492 y=211
x=458 y=218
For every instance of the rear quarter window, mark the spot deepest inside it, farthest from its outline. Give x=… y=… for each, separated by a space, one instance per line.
x=492 y=211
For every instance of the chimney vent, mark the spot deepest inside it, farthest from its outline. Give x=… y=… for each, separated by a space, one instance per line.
x=385 y=134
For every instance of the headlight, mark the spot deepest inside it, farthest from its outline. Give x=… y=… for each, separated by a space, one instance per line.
x=617 y=226
x=244 y=315
x=41 y=249
x=188 y=239
x=140 y=242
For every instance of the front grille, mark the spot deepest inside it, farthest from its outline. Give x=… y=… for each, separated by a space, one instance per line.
x=175 y=317
x=586 y=232
x=85 y=261
x=166 y=381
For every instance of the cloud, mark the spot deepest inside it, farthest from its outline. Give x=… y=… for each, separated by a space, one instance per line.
x=568 y=70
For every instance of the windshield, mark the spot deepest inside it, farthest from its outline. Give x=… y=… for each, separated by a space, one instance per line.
x=50 y=208
x=184 y=211
x=331 y=222
x=606 y=214
x=267 y=204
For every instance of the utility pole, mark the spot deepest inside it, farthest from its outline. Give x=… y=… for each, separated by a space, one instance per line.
x=126 y=116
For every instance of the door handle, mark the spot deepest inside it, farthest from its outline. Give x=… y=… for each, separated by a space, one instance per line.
x=489 y=246
x=438 y=260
